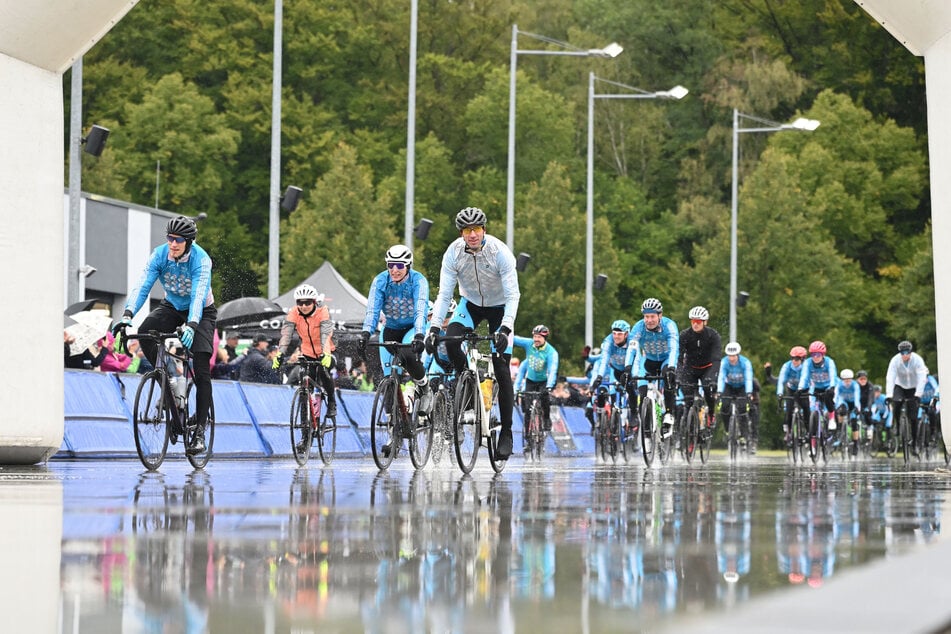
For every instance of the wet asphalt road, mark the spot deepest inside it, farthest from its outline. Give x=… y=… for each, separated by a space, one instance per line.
x=265 y=546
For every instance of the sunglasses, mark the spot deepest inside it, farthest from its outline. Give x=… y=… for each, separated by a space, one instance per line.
x=816 y=354
x=466 y=231
x=305 y=302
x=175 y=239
x=696 y=321
x=399 y=266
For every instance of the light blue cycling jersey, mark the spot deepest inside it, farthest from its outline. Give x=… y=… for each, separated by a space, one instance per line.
x=404 y=303
x=848 y=394
x=540 y=364
x=662 y=344
x=612 y=356
x=739 y=374
x=931 y=390
x=881 y=411
x=486 y=278
x=817 y=376
x=788 y=377
x=187 y=282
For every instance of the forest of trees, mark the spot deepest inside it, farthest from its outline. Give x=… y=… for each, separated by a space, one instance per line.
x=834 y=225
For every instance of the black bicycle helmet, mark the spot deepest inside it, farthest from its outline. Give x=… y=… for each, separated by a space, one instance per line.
x=470 y=216
x=540 y=329
x=182 y=226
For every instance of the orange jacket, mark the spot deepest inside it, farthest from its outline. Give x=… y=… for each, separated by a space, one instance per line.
x=311 y=329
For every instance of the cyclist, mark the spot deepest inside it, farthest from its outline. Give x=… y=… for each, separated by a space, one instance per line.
x=656 y=348
x=879 y=411
x=438 y=362
x=735 y=384
x=184 y=270
x=818 y=377
x=402 y=295
x=699 y=362
x=613 y=353
x=310 y=319
x=484 y=269
x=787 y=384
x=847 y=399
x=905 y=380
x=929 y=405
x=865 y=394
x=539 y=371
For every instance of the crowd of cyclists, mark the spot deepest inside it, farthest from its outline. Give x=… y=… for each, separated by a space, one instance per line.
x=684 y=364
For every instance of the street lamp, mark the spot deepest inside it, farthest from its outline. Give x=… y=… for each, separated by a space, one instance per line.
x=765 y=125
x=611 y=50
x=677 y=92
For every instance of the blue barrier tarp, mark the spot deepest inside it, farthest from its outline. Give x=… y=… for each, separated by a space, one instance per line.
x=96 y=419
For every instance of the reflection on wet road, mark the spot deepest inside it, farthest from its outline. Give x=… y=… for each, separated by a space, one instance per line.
x=265 y=547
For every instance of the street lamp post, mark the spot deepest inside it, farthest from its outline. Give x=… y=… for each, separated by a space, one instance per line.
x=765 y=125
x=274 y=218
x=677 y=92
x=611 y=50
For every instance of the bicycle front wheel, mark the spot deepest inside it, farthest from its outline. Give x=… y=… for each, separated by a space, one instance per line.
x=442 y=424
x=691 y=432
x=151 y=419
x=300 y=426
x=734 y=437
x=468 y=427
x=648 y=430
x=815 y=437
x=796 y=436
x=421 y=443
x=327 y=438
x=904 y=435
x=383 y=423
x=199 y=460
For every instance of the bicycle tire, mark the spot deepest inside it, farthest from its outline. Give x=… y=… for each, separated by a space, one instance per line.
x=814 y=437
x=603 y=440
x=627 y=448
x=421 y=442
x=648 y=430
x=492 y=443
x=383 y=423
x=536 y=436
x=903 y=434
x=665 y=444
x=467 y=430
x=199 y=461
x=691 y=435
x=733 y=437
x=798 y=433
x=151 y=420
x=300 y=426
x=921 y=440
x=442 y=425
x=613 y=436
x=706 y=441
x=327 y=438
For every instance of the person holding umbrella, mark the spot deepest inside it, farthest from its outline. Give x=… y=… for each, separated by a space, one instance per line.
x=184 y=270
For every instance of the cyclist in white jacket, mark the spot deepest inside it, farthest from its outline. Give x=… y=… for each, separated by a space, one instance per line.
x=905 y=382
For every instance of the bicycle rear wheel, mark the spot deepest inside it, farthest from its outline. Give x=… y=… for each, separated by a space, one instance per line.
x=300 y=426
x=201 y=459
x=467 y=428
x=151 y=419
x=326 y=436
x=648 y=430
x=442 y=424
x=421 y=443
x=384 y=418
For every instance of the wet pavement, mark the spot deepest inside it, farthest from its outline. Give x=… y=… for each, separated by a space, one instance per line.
x=265 y=546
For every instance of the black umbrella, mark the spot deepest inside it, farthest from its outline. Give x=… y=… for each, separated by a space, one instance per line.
x=80 y=306
x=247 y=310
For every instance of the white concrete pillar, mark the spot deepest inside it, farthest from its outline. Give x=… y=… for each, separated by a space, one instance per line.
x=31 y=256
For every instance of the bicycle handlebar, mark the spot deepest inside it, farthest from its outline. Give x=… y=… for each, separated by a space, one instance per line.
x=153 y=335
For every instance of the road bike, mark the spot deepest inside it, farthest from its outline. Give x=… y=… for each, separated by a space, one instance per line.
x=696 y=429
x=797 y=436
x=475 y=392
x=163 y=410
x=533 y=432
x=903 y=429
x=819 y=428
x=737 y=438
x=655 y=440
x=442 y=417
x=395 y=418
x=305 y=424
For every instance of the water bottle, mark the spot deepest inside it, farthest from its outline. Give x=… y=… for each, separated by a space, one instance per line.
x=487 y=386
x=178 y=389
x=409 y=393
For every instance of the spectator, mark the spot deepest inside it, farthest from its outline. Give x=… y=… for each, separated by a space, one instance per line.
x=113 y=361
x=257 y=365
x=231 y=347
x=361 y=379
x=561 y=394
x=222 y=369
x=344 y=378
x=140 y=363
x=88 y=359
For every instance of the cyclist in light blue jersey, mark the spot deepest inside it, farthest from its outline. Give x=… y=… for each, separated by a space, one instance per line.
x=539 y=371
x=818 y=378
x=401 y=294
x=848 y=398
x=438 y=361
x=787 y=384
x=735 y=383
x=656 y=346
x=614 y=350
x=184 y=270
x=484 y=269
x=881 y=412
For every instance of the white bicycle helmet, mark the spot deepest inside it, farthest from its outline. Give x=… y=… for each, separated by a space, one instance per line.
x=732 y=348
x=846 y=374
x=652 y=305
x=306 y=291
x=399 y=253
x=699 y=312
